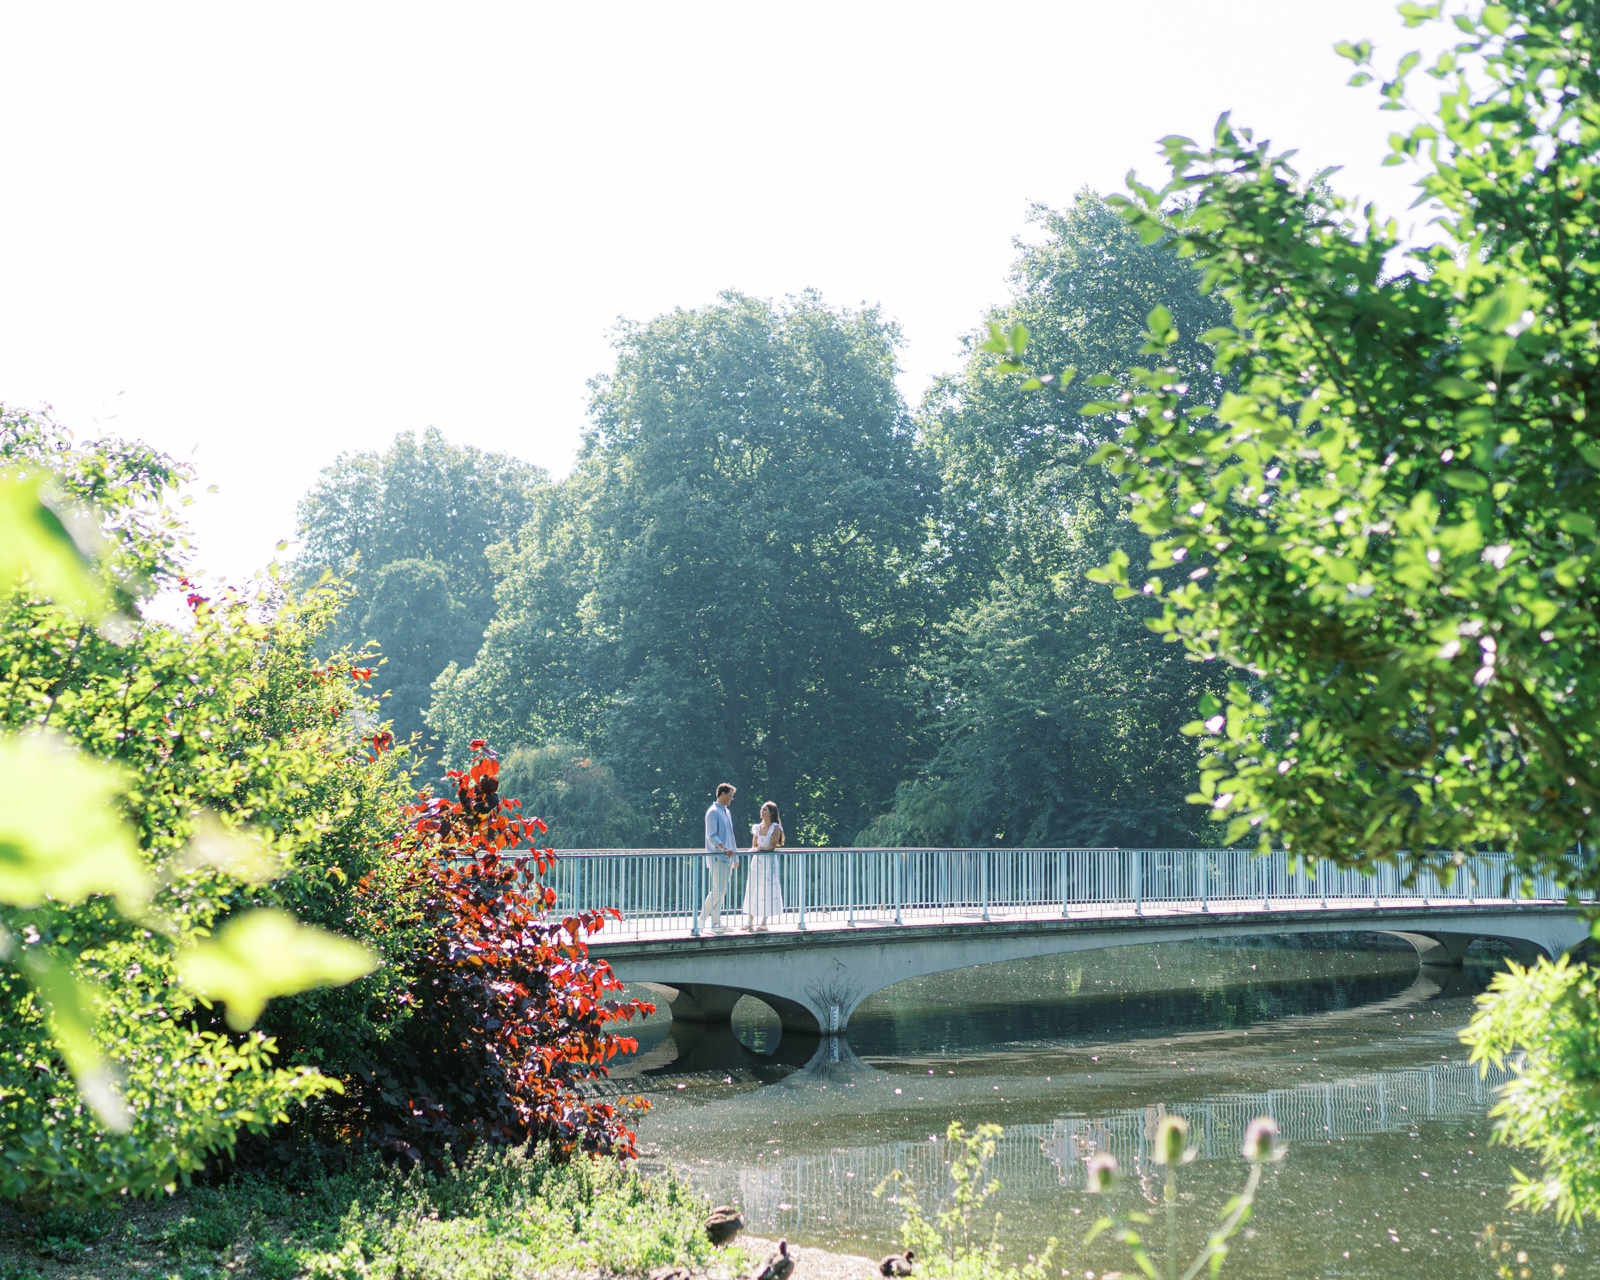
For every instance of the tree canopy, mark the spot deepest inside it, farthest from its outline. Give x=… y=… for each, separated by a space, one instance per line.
x=410 y=529
x=1054 y=712
x=1388 y=529
x=729 y=586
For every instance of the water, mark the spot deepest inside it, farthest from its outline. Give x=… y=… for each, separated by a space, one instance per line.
x=1346 y=1044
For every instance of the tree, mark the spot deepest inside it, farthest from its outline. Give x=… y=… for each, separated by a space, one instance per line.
x=512 y=1014
x=1391 y=521
x=148 y=827
x=410 y=529
x=730 y=583
x=1055 y=711
x=575 y=795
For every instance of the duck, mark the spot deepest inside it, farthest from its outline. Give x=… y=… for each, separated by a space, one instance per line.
x=897 y=1264
x=723 y=1223
x=778 y=1265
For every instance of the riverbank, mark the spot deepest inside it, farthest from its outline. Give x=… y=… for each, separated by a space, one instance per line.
x=500 y=1216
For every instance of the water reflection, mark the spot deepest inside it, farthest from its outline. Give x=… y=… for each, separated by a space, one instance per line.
x=1362 y=1068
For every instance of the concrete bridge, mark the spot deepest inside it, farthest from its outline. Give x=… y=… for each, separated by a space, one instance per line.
x=859 y=920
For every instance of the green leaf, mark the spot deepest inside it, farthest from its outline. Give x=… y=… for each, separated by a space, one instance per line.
x=68 y=1004
x=1457 y=388
x=268 y=953
x=1358 y=53
x=36 y=545
x=1019 y=338
x=1590 y=454
x=61 y=836
x=1576 y=522
x=1497 y=18
x=1471 y=481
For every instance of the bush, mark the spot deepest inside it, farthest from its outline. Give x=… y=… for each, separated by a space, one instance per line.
x=509 y=1014
x=114 y=1076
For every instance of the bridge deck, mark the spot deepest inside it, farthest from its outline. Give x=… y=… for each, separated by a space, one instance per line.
x=1272 y=910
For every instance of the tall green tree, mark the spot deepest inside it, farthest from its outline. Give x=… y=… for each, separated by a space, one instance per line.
x=730 y=587
x=1392 y=521
x=1055 y=711
x=409 y=529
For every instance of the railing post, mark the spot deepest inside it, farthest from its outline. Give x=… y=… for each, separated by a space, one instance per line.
x=1138 y=884
x=1322 y=884
x=1266 y=871
x=983 y=879
x=850 y=884
x=899 y=888
x=802 y=858
x=1205 y=881
x=694 y=898
x=1061 y=867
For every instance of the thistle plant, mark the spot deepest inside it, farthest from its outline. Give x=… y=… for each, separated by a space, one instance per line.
x=1261 y=1148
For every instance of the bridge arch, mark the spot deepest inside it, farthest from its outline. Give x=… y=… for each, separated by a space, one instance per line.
x=814 y=981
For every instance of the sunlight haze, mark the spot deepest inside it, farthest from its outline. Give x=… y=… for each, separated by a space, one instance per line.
x=260 y=236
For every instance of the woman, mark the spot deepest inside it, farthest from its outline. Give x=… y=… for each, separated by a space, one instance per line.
x=763 y=894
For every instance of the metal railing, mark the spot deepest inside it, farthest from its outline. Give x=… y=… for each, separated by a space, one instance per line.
x=660 y=891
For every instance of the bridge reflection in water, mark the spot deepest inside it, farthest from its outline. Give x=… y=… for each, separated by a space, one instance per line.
x=827 y=1192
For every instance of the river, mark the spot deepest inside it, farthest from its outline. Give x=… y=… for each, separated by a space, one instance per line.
x=1353 y=1050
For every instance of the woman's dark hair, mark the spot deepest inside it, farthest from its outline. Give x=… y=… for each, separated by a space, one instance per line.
x=770 y=805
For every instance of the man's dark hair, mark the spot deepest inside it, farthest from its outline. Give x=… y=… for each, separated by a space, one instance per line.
x=726 y=788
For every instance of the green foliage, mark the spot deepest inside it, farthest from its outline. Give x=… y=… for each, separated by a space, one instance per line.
x=728 y=586
x=1055 y=712
x=410 y=530
x=577 y=797
x=496 y=1214
x=950 y=1247
x=1550 y=1014
x=1390 y=520
x=123 y=847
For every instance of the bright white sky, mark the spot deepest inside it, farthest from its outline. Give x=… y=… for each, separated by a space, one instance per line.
x=264 y=234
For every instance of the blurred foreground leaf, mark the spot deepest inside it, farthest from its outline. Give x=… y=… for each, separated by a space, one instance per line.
x=268 y=953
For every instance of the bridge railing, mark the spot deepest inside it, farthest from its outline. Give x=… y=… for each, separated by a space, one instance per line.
x=661 y=890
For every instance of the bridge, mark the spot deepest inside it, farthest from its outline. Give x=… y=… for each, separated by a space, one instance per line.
x=859 y=920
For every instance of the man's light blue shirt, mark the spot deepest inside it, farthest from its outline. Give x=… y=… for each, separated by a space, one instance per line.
x=719 y=832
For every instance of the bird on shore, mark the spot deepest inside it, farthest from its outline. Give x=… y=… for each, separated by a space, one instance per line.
x=897 y=1264
x=723 y=1223
x=778 y=1265
x=671 y=1273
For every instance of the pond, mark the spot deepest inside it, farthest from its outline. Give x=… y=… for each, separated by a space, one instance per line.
x=1343 y=1040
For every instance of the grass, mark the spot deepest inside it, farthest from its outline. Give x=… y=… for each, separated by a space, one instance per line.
x=500 y=1215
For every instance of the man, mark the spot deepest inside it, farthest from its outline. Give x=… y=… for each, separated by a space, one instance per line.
x=721 y=845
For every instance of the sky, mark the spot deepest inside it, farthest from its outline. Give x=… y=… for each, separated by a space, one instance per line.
x=262 y=235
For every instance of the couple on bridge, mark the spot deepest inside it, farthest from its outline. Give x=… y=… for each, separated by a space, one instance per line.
x=763 y=893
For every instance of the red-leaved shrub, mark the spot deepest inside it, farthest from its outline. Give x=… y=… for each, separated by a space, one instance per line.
x=509 y=1011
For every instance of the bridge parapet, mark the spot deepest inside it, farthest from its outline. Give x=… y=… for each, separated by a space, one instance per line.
x=659 y=892
x=854 y=921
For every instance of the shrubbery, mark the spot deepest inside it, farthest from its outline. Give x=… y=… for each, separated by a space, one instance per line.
x=238 y=796
x=507 y=1011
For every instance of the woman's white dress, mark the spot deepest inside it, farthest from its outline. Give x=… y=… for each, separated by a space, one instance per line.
x=763 y=892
